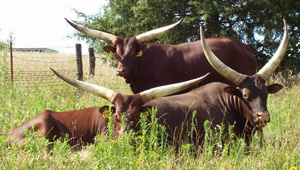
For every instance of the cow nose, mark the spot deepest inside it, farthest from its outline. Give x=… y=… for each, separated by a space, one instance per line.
x=121 y=71
x=263 y=117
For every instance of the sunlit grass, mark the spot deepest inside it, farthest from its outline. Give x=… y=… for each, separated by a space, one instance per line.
x=281 y=149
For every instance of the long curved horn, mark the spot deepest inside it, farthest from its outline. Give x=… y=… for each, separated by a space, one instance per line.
x=150 y=35
x=274 y=62
x=230 y=74
x=161 y=91
x=109 y=38
x=103 y=92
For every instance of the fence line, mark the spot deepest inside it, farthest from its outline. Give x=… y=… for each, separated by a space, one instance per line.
x=66 y=61
x=29 y=78
x=42 y=79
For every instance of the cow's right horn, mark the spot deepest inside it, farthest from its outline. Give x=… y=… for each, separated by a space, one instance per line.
x=161 y=91
x=274 y=62
x=150 y=35
x=103 y=92
x=109 y=38
x=230 y=74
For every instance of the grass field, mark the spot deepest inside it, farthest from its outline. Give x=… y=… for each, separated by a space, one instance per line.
x=281 y=148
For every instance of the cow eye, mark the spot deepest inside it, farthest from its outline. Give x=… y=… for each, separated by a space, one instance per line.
x=245 y=96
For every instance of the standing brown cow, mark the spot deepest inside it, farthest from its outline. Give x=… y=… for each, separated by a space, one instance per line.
x=145 y=66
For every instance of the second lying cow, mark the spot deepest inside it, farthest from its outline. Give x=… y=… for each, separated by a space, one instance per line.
x=83 y=125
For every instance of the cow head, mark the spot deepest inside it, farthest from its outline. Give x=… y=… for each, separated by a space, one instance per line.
x=132 y=105
x=126 y=50
x=251 y=89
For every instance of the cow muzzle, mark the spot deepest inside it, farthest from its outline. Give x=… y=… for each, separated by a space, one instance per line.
x=262 y=119
x=122 y=72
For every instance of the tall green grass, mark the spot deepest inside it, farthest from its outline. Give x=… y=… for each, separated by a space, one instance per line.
x=147 y=149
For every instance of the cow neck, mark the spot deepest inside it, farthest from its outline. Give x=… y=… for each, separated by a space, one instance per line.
x=133 y=112
x=249 y=128
x=236 y=109
x=231 y=105
x=137 y=81
x=150 y=68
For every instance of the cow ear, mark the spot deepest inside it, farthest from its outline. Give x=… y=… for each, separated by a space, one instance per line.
x=233 y=91
x=109 y=49
x=107 y=110
x=145 y=111
x=274 y=88
x=142 y=49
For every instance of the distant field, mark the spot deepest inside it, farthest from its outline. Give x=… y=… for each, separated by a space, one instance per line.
x=35 y=61
x=33 y=68
x=281 y=148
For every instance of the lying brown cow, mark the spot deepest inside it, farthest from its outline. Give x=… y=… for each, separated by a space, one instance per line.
x=83 y=125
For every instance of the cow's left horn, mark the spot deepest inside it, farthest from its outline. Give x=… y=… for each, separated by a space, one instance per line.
x=230 y=74
x=274 y=62
x=150 y=35
x=161 y=91
x=103 y=92
x=109 y=38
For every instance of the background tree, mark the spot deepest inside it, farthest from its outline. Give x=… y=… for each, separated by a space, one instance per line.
x=256 y=23
x=3 y=45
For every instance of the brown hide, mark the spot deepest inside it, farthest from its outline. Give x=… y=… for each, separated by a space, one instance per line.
x=145 y=66
x=211 y=103
x=80 y=125
x=163 y=64
x=251 y=88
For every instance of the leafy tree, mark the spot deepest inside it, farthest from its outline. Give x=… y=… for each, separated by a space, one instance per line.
x=3 y=46
x=256 y=23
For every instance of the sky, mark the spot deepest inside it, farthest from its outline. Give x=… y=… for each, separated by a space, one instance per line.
x=41 y=23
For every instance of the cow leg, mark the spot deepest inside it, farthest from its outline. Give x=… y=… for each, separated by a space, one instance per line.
x=248 y=138
x=17 y=135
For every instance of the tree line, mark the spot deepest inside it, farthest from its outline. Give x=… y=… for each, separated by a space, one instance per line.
x=258 y=24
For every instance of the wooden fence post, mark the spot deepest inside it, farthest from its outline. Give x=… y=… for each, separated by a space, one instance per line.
x=79 y=62
x=92 y=61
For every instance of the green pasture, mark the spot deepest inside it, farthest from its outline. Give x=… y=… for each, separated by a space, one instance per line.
x=281 y=147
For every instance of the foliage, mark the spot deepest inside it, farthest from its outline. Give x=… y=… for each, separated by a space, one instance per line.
x=3 y=46
x=256 y=23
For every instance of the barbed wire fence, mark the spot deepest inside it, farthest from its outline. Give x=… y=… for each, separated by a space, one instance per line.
x=28 y=79
x=32 y=69
x=29 y=69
